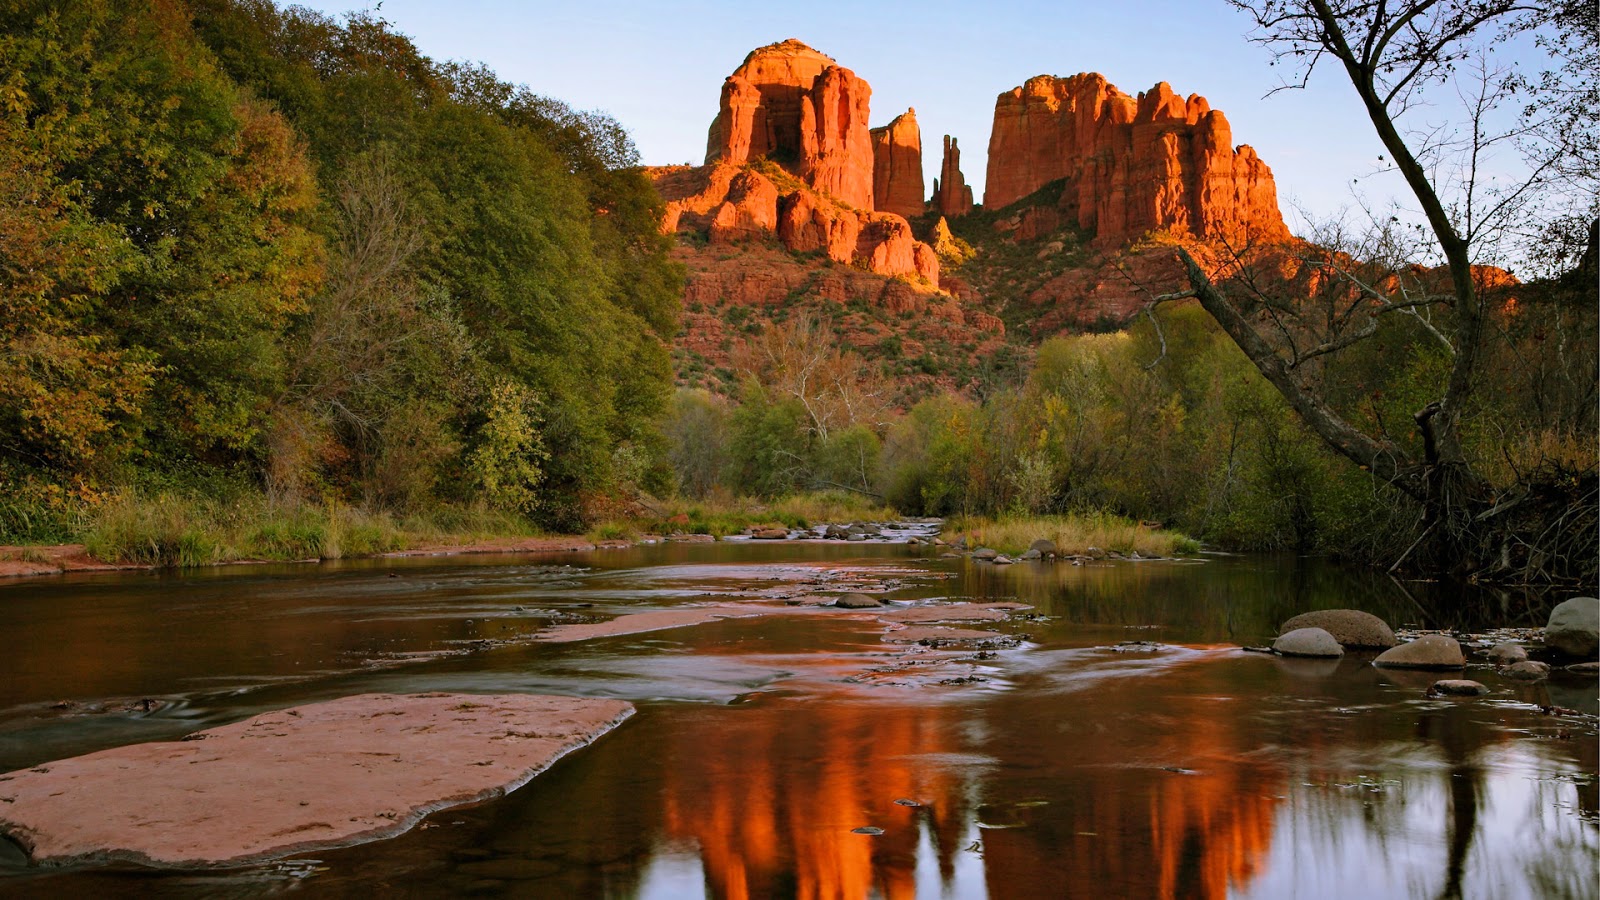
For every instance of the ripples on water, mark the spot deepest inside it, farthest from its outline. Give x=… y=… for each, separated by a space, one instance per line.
x=1184 y=768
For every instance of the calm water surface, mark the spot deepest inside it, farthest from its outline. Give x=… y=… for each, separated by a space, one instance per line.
x=1072 y=767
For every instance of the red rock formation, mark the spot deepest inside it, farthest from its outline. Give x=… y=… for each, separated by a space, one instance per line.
x=731 y=204
x=888 y=247
x=728 y=203
x=1131 y=166
x=805 y=226
x=836 y=144
x=951 y=195
x=761 y=103
x=897 y=166
x=792 y=104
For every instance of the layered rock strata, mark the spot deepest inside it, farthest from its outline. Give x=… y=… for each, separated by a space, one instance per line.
x=1130 y=165
x=897 y=166
x=730 y=204
x=790 y=157
x=791 y=104
x=951 y=195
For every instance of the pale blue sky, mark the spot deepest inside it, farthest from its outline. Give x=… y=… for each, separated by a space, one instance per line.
x=658 y=68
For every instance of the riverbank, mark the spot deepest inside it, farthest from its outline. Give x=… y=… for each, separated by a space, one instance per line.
x=169 y=532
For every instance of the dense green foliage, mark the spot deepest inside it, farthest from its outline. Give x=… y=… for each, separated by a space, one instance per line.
x=1168 y=422
x=259 y=243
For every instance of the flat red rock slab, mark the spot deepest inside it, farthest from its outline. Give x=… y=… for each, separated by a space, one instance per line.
x=954 y=612
x=912 y=634
x=308 y=778
x=659 y=620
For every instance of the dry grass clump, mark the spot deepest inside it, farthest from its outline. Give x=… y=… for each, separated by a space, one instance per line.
x=1072 y=534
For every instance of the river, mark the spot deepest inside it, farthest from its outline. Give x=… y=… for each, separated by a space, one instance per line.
x=1117 y=743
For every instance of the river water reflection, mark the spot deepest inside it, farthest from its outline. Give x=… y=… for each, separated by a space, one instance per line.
x=1070 y=767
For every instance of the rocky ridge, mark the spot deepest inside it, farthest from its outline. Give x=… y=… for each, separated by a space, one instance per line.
x=1131 y=165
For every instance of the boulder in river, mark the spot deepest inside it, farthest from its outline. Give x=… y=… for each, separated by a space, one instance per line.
x=1352 y=628
x=312 y=777
x=1031 y=554
x=1045 y=546
x=1506 y=652
x=1312 y=642
x=1457 y=687
x=1431 y=651
x=985 y=553
x=770 y=534
x=857 y=601
x=1527 y=670
x=1574 y=627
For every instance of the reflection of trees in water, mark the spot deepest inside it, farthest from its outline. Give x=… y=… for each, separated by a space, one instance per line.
x=1243 y=599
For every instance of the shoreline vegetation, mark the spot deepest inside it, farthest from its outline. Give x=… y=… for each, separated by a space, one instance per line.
x=183 y=532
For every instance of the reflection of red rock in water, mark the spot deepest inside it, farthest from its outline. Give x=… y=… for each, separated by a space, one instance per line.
x=771 y=795
x=771 y=823
x=1175 y=809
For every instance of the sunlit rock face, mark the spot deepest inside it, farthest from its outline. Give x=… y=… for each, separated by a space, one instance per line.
x=951 y=194
x=791 y=104
x=897 y=166
x=1131 y=165
x=790 y=157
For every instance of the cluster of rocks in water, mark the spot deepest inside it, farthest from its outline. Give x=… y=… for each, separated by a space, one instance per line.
x=853 y=531
x=1572 y=633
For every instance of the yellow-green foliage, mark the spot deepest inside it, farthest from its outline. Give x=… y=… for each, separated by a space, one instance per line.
x=1073 y=534
x=170 y=529
x=724 y=514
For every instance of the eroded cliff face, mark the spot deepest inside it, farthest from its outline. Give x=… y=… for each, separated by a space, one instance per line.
x=1131 y=165
x=732 y=204
x=897 y=166
x=790 y=157
x=797 y=107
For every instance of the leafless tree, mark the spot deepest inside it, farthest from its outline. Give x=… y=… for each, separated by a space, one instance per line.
x=1404 y=59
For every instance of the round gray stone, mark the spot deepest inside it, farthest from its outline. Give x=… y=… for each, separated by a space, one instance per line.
x=1527 y=670
x=1031 y=554
x=1457 y=687
x=1313 y=642
x=1431 y=651
x=1506 y=652
x=985 y=553
x=1002 y=560
x=1350 y=627
x=1574 y=627
x=857 y=601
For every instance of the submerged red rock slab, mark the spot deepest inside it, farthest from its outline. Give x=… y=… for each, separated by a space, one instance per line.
x=311 y=777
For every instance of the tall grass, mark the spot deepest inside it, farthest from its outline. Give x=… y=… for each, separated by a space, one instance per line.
x=170 y=529
x=1072 y=534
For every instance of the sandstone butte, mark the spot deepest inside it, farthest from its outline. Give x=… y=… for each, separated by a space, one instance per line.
x=897 y=166
x=790 y=156
x=951 y=195
x=789 y=103
x=1158 y=162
